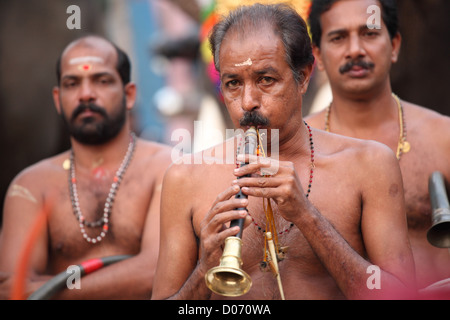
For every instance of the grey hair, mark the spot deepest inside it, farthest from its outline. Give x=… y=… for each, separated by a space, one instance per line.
x=286 y=23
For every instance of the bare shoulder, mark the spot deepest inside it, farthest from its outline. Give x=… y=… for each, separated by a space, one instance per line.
x=429 y=135
x=152 y=158
x=357 y=155
x=154 y=151
x=44 y=171
x=337 y=143
x=426 y=121
x=194 y=171
x=427 y=125
x=36 y=183
x=180 y=179
x=428 y=132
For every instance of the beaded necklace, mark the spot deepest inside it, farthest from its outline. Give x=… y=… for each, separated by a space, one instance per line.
x=403 y=145
x=104 y=220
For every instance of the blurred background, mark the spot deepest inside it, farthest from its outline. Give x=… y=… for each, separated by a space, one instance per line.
x=171 y=64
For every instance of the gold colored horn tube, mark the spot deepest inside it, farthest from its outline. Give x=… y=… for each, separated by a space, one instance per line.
x=228 y=279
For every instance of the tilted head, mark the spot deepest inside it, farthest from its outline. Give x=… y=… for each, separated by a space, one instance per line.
x=264 y=57
x=318 y=7
x=123 y=64
x=94 y=90
x=284 y=21
x=355 y=42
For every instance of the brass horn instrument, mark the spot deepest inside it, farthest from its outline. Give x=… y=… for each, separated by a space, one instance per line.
x=439 y=233
x=228 y=279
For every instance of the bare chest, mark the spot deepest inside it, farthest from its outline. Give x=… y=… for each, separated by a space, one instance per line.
x=416 y=168
x=125 y=213
x=298 y=260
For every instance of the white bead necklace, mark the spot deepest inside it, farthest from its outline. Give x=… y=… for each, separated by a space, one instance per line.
x=104 y=221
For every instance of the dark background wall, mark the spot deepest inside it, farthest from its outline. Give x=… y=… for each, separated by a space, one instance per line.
x=422 y=73
x=32 y=34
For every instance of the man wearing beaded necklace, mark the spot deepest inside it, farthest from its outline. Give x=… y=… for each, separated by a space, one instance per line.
x=338 y=214
x=101 y=197
x=357 y=58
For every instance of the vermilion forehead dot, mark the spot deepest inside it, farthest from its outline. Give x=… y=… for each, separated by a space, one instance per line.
x=85 y=67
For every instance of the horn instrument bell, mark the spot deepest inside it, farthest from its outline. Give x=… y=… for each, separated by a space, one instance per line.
x=439 y=233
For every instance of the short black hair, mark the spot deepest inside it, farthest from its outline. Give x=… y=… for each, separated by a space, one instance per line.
x=123 y=65
x=389 y=13
x=286 y=23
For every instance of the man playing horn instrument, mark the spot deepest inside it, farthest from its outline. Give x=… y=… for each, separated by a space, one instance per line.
x=337 y=202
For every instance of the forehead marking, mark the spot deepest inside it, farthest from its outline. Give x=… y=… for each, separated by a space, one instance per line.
x=248 y=62
x=86 y=59
x=85 y=67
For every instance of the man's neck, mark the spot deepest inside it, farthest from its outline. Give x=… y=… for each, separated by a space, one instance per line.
x=362 y=113
x=294 y=145
x=109 y=154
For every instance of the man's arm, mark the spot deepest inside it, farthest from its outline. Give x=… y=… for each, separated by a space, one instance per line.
x=178 y=246
x=384 y=226
x=25 y=206
x=184 y=258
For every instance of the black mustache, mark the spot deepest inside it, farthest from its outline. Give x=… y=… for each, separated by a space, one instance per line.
x=89 y=106
x=360 y=63
x=253 y=118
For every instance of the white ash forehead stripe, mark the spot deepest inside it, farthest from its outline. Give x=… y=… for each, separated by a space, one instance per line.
x=248 y=62
x=85 y=59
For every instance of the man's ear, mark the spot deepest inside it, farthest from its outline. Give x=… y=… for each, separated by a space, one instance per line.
x=316 y=52
x=305 y=77
x=396 y=45
x=56 y=100
x=130 y=95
